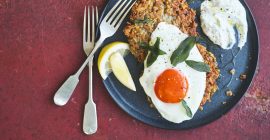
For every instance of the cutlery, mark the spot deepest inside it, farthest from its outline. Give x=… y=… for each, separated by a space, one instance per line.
x=108 y=27
x=90 y=113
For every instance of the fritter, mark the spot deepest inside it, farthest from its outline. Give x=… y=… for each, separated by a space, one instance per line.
x=147 y=14
x=211 y=77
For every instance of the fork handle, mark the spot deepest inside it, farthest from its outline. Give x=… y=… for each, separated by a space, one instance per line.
x=64 y=93
x=90 y=113
x=90 y=64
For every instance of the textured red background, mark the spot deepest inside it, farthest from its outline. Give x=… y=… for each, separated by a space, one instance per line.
x=40 y=45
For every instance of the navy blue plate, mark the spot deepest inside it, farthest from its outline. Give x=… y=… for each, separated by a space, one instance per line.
x=136 y=105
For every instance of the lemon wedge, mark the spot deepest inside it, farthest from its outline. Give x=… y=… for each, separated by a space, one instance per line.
x=120 y=70
x=111 y=60
x=104 y=65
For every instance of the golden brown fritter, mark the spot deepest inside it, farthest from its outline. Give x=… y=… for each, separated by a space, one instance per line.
x=145 y=16
x=211 y=85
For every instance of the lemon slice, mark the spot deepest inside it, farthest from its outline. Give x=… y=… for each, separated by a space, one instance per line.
x=111 y=59
x=120 y=70
x=104 y=65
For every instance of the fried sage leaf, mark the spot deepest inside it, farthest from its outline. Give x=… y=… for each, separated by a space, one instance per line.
x=155 y=48
x=152 y=57
x=154 y=53
x=183 y=50
x=199 y=66
x=188 y=110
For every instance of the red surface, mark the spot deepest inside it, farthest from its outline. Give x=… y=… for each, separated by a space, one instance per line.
x=40 y=45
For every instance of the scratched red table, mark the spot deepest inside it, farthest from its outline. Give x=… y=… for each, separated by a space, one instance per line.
x=40 y=45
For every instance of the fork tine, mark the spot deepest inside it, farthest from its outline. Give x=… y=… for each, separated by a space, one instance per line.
x=117 y=12
x=84 y=25
x=121 y=13
x=88 y=34
x=111 y=11
x=123 y=17
x=97 y=16
x=93 y=25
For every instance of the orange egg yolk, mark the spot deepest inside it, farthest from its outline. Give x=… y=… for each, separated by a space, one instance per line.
x=171 y=86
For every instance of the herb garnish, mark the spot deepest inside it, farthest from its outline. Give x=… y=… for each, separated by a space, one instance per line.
x=182 y=52
x=199 y=66
x=188 y=110
x=142 y=21
x=154 y=52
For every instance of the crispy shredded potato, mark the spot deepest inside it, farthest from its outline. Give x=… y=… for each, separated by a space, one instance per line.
x=211 y=85
x=147 y=14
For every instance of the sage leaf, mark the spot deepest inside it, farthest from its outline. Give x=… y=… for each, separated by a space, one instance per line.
x=155 y=48
x=156 y=45
x=183 y=50
x=199 y=66
x=160 y=52
x=154 y=52
x=152 y=57
x=145 y=46
x=188 y=111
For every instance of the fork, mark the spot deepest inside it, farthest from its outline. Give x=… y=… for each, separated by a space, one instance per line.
x=112 y=21
x=90 y=113
x=108 y=27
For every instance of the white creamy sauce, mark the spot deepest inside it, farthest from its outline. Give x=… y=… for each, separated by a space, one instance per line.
x=218 y=20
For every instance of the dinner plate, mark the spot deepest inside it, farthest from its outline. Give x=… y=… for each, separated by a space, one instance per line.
x=136 y=105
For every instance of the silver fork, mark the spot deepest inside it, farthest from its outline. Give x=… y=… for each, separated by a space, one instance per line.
x=112 y=22
x=88 y=44
x=108 y=27
x=90 y=113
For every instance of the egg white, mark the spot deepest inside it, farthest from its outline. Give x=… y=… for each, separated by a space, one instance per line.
x=171 y=37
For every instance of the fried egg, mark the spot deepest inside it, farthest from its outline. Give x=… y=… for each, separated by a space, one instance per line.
x=219 y=18
x=168 y=85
